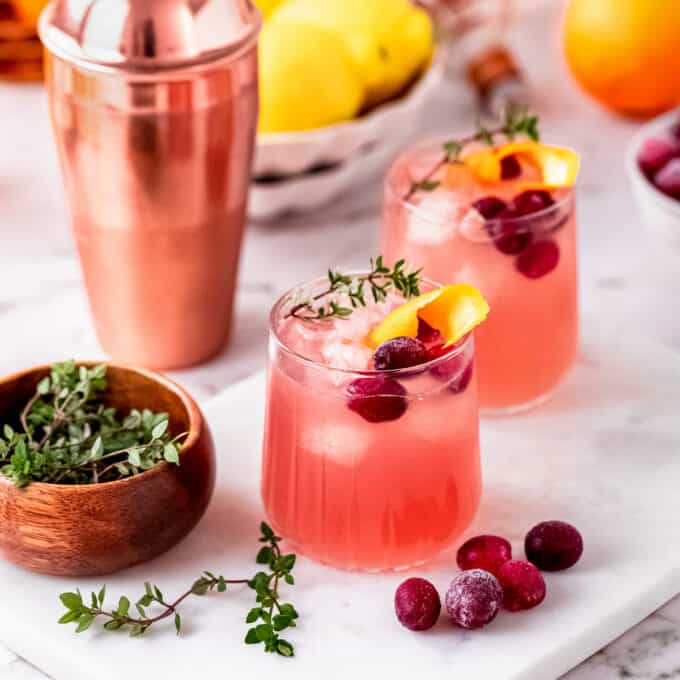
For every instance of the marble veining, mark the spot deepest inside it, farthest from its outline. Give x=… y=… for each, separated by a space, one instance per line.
x=625 y=275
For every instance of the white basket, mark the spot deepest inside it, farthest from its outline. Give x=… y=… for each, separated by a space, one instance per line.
x=660 y=213
x=314 y=166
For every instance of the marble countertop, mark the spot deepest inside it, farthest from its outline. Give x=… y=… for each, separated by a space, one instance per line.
x=625 y=274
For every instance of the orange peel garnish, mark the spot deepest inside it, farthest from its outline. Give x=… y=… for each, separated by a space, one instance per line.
x=453 y=310
x=558 y=165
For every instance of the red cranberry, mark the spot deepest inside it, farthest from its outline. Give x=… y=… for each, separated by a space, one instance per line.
x=654 y=153
x=429 y=336
x=675 y=131
x=457 y=370
x=668 y=178
x=538 y=259
x=401 y=352
x=509 y=238
x=523 y=586
x=436 y=351
x=510 y=168
x=474 y=598
x=489 y=206
x=377 y=399
x=484 y=552
x=531 y=201
x=459 y=384
x=417 y=604
x=553 y=546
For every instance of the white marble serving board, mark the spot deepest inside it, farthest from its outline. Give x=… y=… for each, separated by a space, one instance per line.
x=603 y=454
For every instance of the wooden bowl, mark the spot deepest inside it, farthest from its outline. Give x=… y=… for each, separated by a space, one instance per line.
x=96 y=529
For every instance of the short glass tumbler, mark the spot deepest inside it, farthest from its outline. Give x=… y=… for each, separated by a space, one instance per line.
x=364 y=495
x=526 y=267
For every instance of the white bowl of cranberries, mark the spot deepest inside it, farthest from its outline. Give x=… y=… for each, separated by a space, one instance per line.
x=653 y=165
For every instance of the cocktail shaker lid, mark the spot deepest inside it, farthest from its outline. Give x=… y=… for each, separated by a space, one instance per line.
x=142 y=35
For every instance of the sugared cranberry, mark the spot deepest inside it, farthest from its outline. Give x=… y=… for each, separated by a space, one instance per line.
x=377 y=399
x=531 y=201
x=489 y=206
x=538 y=259
x=510 y=238
x=553 y=546
x=510 y=168
x=401 y=352
x=668 y=178
x=417 y=604
x=484 y=552
x=473 y=598
x=654 y=153
x=523 y=585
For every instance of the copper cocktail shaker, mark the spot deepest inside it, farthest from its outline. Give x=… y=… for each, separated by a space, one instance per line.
x=154 y=109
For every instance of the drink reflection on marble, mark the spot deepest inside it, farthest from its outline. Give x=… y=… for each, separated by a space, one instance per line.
x=154 y=109
x=523 y=261
x=367 y=491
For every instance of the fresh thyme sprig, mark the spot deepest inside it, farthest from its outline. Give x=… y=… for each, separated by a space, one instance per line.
x=273 y=615
x=66 y=435
x=353 y=288
x=516 y=121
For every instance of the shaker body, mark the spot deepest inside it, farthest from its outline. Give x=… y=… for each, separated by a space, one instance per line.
x=156 y=171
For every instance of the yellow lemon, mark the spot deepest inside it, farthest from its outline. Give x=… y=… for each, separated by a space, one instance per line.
x=267 y=6
x=558 y=166
x=409 y=47
x=452 y=310
x=306 y=78
x=387 y=40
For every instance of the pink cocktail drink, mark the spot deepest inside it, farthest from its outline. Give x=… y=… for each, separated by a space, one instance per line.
x=517 y=245
x=365 y=469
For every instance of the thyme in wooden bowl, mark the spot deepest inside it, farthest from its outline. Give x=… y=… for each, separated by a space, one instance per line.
x=67 y=434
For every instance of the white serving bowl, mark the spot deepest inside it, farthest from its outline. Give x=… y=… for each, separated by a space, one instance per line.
x=314 y=166
x=660 y=213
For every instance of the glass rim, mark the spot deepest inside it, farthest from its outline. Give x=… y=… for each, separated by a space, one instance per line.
x=369 y=373
x=391 y=191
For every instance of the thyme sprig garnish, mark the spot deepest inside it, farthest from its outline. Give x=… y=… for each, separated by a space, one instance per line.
x=272 y=614
x=354 y=288
x=516 y=121
x=66 y=434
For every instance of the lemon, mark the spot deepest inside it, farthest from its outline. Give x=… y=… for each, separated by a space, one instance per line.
x=267 y=6
x=453 y=310
x=306 y=78
x=409 y=49
x=389 y=41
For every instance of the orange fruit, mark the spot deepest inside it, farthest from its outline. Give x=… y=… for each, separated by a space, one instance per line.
x=29 y=10
x=625 y=53
x=453 y=310
x=557 y=165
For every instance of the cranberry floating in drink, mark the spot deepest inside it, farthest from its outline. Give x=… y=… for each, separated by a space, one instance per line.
x=502 y=218
x=371 y=451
